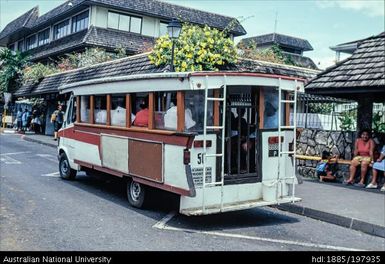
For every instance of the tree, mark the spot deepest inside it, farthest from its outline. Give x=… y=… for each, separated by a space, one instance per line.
x=196 y=49
x=11 y=71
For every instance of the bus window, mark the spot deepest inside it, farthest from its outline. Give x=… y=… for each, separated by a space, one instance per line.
x=142 y=112
x=100 y=113
x=84 y=108
x=270 y=115
x=118 y=110
x=71 y=114
x=194 y=106
x=165 y=110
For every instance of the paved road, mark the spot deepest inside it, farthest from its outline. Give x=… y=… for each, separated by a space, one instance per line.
x=39 y=211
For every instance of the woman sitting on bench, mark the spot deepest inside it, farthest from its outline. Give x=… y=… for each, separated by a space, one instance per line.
x=363 y=155
x=379 y=165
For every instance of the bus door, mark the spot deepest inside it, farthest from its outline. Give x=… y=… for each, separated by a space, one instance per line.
x=242 y=137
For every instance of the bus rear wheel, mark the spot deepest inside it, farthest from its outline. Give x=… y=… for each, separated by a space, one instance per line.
x=136 y=193
x=64 y=168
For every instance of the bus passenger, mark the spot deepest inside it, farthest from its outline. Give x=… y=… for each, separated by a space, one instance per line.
x=170 y=118
x=141 y=118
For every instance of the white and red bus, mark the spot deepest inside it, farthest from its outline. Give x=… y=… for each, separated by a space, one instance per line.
x=211 y=137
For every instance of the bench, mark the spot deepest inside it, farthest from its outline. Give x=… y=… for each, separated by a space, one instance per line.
x=318 y=158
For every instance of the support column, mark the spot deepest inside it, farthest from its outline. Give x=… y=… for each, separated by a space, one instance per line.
x=364 y=113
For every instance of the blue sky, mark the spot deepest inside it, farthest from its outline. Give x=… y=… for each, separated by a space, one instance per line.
x=323 y=23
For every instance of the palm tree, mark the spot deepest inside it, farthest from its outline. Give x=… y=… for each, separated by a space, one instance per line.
x=11 y=67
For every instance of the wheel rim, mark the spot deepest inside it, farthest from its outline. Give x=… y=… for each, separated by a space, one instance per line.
x=135 y=191
x=64 y=167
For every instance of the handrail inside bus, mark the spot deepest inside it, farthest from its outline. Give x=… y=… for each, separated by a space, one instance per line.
x=138 y=129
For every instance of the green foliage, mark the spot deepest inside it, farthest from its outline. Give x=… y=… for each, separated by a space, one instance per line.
x=196 y=49
x=11 y=69
x=320 y=108
x=89 y=57
x=273 y=54
x=378 y=125
x=348 y=120
x=35 y=72
x=250 y=51
x=120 y=52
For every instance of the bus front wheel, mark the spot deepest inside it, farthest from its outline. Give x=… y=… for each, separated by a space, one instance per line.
x=64 y=168
x=135 y=193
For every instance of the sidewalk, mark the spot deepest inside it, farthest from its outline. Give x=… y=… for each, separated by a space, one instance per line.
x=348 y=206
x=41 y=139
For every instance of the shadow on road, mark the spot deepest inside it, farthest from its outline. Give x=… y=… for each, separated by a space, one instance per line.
x=256 y=217
x=113 y=189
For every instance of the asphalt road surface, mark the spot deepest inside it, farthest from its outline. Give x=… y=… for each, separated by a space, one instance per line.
x=40 y=211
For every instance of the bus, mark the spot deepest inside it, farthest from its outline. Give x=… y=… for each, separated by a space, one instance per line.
x=222 y=141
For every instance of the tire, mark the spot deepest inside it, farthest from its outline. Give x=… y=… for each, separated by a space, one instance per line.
x=64 y=168
x=136 y=193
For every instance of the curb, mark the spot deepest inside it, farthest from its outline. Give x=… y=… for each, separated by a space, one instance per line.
x=26 y=138
x=343 y=221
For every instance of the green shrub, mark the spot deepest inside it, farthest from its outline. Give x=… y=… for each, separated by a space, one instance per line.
x=196 y=49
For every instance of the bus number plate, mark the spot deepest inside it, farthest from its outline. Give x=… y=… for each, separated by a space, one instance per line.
x=273 y=150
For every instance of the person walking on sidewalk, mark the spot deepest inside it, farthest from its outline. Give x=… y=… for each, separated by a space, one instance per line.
x=379 y=165
x=363 y=155
x=57 y=119
x=24 y=120
x=19 y=119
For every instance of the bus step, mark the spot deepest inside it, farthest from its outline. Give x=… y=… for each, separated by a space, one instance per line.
x=215 y=99
x=287 y=152
x=214 y=127
x=214 y=155
x=288 y=101
x=212 y=184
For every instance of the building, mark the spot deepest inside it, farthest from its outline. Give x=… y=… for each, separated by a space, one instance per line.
x=77 y=24
x=347 y=48
x=292 y=47
x=109 y=24
x=360 y=77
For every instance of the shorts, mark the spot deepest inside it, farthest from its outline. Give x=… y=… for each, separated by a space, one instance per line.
x=379 y=165
x=321 y=173
x=57 y=126
x=361 y=158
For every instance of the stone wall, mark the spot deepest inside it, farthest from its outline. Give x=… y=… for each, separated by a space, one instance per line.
x=312 y=142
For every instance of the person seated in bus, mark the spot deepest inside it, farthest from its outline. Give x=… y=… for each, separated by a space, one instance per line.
x=141 y=118
x=171 y=119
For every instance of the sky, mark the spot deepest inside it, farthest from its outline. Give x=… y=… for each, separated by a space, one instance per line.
x=324 y=23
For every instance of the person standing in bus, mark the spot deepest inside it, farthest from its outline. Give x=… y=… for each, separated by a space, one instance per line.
x=141 y=118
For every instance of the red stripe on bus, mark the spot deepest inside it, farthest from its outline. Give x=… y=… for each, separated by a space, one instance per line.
x=165 y=187
x=162 y=186
x=76 y=134
x=179 y=140
x=102 y=169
